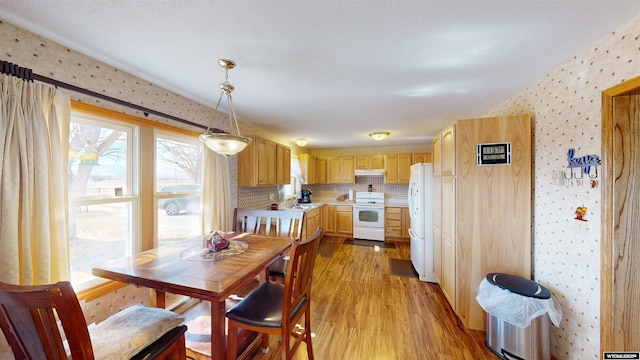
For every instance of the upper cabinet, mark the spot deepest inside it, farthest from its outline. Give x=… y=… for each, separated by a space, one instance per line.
x=397 y=168
x=448 y=151
x=283 y=164
x=308 y=167
x=340 y=170
x=364 y=162
x=420 y=158
x=264 y=162
x=321 y=170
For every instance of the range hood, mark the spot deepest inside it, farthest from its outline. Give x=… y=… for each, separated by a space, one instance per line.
x=370 y=172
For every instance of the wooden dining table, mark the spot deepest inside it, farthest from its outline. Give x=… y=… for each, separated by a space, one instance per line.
x=184 y=268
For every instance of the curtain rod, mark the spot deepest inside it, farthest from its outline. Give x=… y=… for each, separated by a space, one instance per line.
x=8 y=68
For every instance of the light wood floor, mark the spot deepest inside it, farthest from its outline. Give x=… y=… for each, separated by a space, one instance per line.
x=360 y=311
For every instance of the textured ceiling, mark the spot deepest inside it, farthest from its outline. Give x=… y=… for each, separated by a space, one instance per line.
x=334 y=71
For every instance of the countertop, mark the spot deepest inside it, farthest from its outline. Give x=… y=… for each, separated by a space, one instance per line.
x=328 y=201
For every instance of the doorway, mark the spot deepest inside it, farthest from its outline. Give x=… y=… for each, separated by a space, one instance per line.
x=620 y=238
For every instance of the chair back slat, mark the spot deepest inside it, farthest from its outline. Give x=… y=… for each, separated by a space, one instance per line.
x=297 y=286
x=269 y=222
x=29 y=320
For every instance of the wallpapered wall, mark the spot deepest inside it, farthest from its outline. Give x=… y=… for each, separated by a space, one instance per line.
x=566 y=108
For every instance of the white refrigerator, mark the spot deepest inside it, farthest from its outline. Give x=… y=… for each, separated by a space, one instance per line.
x=421 y=213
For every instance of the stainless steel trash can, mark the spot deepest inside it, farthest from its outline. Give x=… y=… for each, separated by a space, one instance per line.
x=511 y=342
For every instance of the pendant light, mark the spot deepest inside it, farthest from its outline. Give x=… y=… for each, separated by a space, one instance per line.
x=220 y=141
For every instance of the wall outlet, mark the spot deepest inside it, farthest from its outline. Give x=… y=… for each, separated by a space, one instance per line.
x=272 y=196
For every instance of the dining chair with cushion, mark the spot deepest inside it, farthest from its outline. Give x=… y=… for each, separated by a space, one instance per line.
x=47 y=322
x=276 y=309
x=280 y=222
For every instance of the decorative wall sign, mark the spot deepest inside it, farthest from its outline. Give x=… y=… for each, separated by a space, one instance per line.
x=493 y=154
x=584 y=163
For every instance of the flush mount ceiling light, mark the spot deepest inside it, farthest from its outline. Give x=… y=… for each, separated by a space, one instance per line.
x=220 y=141
x=380 y=135
x=301 y=141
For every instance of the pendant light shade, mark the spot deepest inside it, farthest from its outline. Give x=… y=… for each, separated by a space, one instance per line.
x=220 y=141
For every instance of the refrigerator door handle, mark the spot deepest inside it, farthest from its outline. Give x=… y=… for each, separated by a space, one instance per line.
x=412 y=234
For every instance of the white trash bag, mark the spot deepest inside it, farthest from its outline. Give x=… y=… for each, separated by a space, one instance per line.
x=516 y=309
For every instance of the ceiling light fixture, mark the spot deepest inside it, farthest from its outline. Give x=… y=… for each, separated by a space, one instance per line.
x=220 y=141
x=380 y=135
x=301 y=141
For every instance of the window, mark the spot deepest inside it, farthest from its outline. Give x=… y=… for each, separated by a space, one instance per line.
x=108 y=172
x=101 y=193
x=178 y=181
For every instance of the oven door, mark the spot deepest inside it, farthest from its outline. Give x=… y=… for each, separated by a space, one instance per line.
x=368 y=216
x=368 y=222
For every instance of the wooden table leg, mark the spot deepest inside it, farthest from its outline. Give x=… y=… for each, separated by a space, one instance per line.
x=160 y=299
x=218 y=331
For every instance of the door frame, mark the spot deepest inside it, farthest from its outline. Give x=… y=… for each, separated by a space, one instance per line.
x=607 y=331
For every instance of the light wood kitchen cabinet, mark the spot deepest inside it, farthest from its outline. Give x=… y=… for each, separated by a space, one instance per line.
x=448 y=151
x=344 y=219
x=312 y=219
x=437 y=156
x=340 y=170
x=406 y=224
x=437 y=229
x=482 y=214
x=397 y=168
x=308 y=166
x=396 y=223
x=257 y=164
x=420 y=158
x=337 y=219
x=329 y=218
x=283 y=164
x=321 y=170
x=364 y=162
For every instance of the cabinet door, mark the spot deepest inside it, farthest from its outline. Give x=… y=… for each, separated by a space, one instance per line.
x=391 y=169
x=362 y=162
x=308 y=168
x=437 y=226
x=262 y=163
x=393 y=222
x=329 y=218
x=344 y=220
x=312 y=220
x=448 y=236
x=449 y=151
x=347 y=174
x=376 y=162
x=404 y=168
x=321 y=170
x=406 y=224
x=437 y=155
x=283 y=164
x=334 y=170
x=420 y=158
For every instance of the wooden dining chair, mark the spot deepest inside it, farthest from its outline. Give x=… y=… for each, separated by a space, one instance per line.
x=269 y=222
x=280 y=222
x=276 y=309
x=46 y=322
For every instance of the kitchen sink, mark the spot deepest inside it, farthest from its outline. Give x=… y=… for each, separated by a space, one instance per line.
x=305 y=206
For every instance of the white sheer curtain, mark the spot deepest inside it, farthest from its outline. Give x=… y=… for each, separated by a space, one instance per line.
x=217 y=213
x=34 y=132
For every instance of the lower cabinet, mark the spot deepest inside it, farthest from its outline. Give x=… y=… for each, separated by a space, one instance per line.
x=313 y=219
x=396 y=223
x=344 y=220
x=337 y=219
